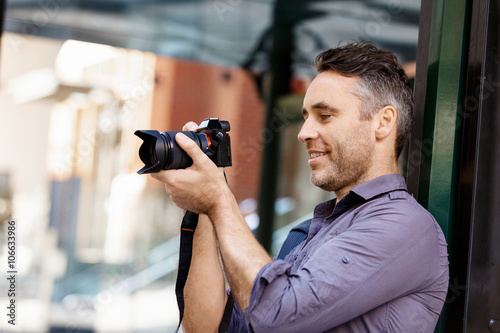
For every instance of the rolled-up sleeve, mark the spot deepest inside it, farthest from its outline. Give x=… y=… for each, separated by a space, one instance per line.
x=267 y=275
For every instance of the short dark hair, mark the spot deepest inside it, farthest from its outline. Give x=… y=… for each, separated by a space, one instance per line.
x=382 y=82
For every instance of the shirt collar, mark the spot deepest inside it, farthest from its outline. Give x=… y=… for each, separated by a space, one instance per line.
x=380 y=185
x=360 y=194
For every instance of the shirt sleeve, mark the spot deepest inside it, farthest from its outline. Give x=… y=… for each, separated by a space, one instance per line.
x=237 y=323
x=379 y=259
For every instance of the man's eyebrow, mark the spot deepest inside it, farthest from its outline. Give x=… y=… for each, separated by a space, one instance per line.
x=325 y=106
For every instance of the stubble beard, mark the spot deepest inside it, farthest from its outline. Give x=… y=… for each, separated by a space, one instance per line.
x=349 y=166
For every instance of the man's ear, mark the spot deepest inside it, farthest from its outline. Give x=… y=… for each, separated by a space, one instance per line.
x=385 y=122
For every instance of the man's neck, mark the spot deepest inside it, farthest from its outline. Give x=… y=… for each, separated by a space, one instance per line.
x=366 y=177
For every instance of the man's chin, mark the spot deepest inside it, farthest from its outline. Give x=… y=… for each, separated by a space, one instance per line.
x=323 y=184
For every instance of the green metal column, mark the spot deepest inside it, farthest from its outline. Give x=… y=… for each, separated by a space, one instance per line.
x=437 y=171
x=445 y=105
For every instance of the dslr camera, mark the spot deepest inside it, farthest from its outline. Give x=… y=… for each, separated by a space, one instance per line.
x=160 y=151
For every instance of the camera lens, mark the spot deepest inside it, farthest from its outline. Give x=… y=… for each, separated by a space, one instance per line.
x=176 y=158
x=161 y=151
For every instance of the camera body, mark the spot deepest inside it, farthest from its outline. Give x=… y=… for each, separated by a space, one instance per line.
x=160 y=151
x=220 y=151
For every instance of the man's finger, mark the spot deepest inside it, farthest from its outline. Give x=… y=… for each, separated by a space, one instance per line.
x=190 y=126
x=190 y=147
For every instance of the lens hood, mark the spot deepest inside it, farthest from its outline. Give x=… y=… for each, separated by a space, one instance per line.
x=152 y=151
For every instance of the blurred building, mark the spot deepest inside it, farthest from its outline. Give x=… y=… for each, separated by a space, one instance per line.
x=103 y=224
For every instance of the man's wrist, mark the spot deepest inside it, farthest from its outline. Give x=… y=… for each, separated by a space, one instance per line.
x=223 y=205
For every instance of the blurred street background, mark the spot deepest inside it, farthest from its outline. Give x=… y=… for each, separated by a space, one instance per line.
x=96 y=242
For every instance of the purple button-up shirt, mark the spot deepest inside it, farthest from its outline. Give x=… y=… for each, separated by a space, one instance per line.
x=376 y=261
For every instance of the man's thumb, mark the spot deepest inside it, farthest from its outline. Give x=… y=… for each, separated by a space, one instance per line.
x=189 y=146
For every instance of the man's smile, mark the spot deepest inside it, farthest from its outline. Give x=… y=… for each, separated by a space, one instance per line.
x=315 y=155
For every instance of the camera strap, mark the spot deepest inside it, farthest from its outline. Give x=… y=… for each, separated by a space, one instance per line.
x=188 y=227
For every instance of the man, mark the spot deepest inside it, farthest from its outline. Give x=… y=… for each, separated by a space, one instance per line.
x=374 y=259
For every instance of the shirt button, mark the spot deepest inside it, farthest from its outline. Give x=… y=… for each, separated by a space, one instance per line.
x=345 y=260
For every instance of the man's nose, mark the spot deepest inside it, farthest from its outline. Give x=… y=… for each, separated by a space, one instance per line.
x=307 y=132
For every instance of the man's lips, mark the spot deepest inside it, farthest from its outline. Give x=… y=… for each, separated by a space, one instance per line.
x=315 y=155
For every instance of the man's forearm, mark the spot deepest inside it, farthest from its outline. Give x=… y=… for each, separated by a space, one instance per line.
x=204 y=292
x=242 y=255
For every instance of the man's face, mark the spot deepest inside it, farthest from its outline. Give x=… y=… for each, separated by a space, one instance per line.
x=339 y=144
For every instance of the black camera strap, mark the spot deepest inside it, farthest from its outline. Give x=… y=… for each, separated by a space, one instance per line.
x=188 y=227
x=228 y=311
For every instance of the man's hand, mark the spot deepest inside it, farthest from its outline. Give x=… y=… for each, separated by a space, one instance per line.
x=201 y=186
x=202 y=189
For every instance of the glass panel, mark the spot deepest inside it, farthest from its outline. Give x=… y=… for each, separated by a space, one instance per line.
x=392 y=25
x=221 y=32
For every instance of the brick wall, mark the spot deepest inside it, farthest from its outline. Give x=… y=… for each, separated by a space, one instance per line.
x=188 y=91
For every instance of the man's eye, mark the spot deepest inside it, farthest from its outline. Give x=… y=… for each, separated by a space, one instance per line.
x=325 y=116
